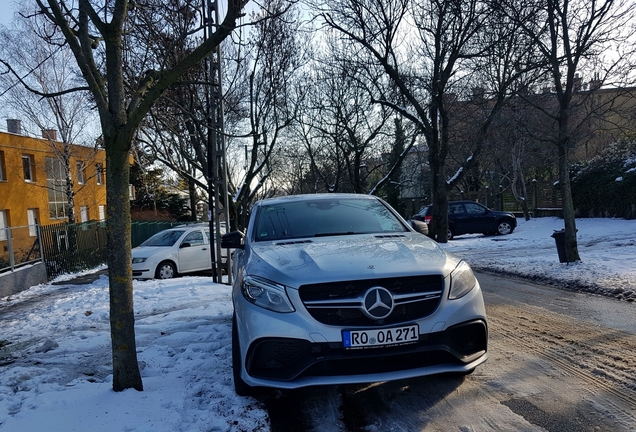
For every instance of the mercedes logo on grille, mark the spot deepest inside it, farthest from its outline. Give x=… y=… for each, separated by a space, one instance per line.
x=378 y=303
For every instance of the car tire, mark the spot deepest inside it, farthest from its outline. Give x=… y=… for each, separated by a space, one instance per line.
x=449 y=234
x=504 y=227
x=166 y=270
x=240 y=387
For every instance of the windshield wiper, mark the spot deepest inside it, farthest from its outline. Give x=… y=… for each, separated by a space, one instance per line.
x=334 y=234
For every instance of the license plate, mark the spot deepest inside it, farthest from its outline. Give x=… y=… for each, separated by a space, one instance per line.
x=374 y=338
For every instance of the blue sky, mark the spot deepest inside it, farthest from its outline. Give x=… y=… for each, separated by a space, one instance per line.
x=6 y=11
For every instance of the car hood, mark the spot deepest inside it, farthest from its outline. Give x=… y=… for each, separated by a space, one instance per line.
x=325 y=259
x=148 y=251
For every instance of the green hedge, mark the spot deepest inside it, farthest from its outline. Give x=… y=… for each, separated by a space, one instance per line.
x=606 y=185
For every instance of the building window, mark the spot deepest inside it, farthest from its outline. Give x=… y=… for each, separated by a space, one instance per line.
x=33 y=217
x=3 y=170
x=99 y=170
x=102 y=213
x=80 y=173
x=56 y=185
x=27 y=168
x=84 y=213
x=3 y=225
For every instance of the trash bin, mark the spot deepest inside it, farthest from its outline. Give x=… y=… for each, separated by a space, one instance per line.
x=559 y=239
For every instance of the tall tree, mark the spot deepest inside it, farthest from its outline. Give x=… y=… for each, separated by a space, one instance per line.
x=65 y=120
x=345 y=131
x=430 y=50
x=574 y=36
x=274 y=55
x=109 y=43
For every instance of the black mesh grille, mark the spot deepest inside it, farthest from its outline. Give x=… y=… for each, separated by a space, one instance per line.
x=339 y=316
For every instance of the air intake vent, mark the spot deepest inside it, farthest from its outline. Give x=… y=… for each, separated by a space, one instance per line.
x=292 y=242
x=390 y=236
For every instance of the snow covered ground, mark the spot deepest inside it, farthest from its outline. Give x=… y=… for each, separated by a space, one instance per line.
x=55 y=344
x=607 y=248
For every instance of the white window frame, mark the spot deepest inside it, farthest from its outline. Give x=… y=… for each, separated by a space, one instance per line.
x=102 y=213
x=27 y=168
x=80 y=173
x=56 y=188
x=2 y=174
x=3 y=225
x=99 y=169
x=32 y=217
x=84 y=213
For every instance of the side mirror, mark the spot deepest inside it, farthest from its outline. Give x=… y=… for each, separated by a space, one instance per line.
x=233 y=240
x=184 y=245
x=419 y=226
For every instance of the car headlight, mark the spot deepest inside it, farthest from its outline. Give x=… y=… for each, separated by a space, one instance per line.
x=266 y=294
x=462 y=281
x=139 y=260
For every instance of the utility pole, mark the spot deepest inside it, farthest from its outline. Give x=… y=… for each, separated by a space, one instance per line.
x=218 y=213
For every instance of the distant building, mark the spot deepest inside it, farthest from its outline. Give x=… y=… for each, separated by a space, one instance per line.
x=33 y=180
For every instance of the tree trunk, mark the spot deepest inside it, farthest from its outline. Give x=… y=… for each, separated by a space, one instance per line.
x=192 y=193
x=438 y=228
x=122 y=321
x=571 y=245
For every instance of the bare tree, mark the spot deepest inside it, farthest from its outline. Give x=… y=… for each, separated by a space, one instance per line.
x=574 y=36
x=445 y=41
x=345 y=134
x=64 y=120
x=266 y=107
x=108 y=40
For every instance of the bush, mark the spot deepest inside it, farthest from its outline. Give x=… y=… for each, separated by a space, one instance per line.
x=606 y=185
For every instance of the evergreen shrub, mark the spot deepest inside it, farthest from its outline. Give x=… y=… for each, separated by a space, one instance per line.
x=606 y=185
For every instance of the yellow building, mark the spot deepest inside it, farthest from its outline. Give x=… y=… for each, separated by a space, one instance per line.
x=33 y=180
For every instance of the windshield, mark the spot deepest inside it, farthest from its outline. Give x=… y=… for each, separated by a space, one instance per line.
x=164 y=238
x=325 y=217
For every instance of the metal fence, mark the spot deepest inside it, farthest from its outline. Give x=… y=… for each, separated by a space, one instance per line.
x=141 y=231
x=19 y=246
x=69 y=248
x=65 y=248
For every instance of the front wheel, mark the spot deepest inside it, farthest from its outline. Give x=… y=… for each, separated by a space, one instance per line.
x=504 y=227
x=449 y=234
x=166 y=270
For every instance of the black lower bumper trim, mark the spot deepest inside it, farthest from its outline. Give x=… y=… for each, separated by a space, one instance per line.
x=287 y=359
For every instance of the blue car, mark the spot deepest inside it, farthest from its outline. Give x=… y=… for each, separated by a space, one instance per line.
x=469 y=217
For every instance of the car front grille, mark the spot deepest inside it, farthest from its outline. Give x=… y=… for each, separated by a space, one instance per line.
x=342 y=303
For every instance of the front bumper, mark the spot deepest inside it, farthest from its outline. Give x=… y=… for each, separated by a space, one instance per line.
x=141 y=271
x=293 y=350
x=296 y=362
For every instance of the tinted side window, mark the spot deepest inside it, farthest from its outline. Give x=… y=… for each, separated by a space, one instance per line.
x=474 y=209
x=456 y=209
x=164 y=238
x=195 y=238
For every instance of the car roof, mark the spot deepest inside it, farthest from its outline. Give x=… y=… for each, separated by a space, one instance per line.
x=310 y=197
x=188 y=226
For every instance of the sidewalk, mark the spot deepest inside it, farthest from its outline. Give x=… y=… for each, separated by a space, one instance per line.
x=84 y=279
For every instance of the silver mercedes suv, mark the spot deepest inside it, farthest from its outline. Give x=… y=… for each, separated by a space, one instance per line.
x=339 y=289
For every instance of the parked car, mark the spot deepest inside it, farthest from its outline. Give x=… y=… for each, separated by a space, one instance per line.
x=179 y=250
x=469 y=217
x=340 y=289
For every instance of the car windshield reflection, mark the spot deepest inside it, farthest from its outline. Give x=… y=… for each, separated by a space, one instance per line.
x=324 y=217
x=164 y=238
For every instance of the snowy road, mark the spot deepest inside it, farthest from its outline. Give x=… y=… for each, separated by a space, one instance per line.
x=554 y=365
